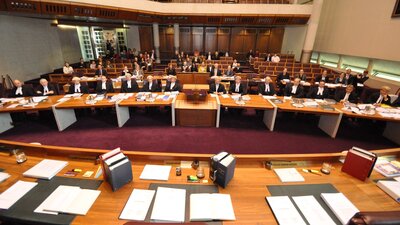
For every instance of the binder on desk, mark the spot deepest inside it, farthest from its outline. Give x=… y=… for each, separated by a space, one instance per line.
x=222 y=168
x=117 y=169
x=359 y=163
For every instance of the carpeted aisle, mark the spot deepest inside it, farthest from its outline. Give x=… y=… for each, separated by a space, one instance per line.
x=243 y=133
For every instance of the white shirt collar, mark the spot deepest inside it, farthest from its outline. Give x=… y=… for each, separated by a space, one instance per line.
x=19 y=91
x=294 y=89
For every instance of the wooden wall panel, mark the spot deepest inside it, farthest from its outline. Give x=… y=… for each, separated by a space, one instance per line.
x=263 y=40
x=275 y=40
x=236 y=46
x=249 y=39
x=211 y=41
x=198 y=39
x=146 y=38
x=166 y=42
x=223 y=39
x=185 y=39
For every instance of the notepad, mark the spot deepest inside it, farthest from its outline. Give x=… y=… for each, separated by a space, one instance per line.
x=208 y=207
x=313 y=211
x=289 y=175
x=284 y=211
x=155 y=172
x=69 y=200
x=10 y=196
x=46 y=169
x=341 y=206
x=138 y=204
x=169 y=205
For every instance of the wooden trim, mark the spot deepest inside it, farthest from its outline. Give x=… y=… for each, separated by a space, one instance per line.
x=395 y=8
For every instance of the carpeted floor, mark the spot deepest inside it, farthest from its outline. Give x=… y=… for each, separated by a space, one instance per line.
x=243 y=133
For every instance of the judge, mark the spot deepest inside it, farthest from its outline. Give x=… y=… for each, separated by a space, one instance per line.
x=267 y=88
x=77 y=87
x=129 y=85
x=347 y=95
x=20 y=90
x=217 y=87
x=237 y=87
x=381 y=97
x=151 y=85
x=172 y=85
x=45 y=89
x=294 y=89
x=319 y=91
x=104 y=86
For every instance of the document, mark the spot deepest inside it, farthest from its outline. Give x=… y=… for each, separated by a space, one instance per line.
x=208 y=207
x=289 y=175
x=12 y=106
x=39 y=99
x=138 y=204
x=169 y=205
x=155 y=172
x=392 y=188
x=10 y=196
x=313 y=211
x=4 y=176
x=75 y=95
x=341 y=206
x=284 y=210
x=46 y=169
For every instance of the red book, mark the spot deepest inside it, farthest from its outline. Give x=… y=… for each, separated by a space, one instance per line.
x=359 y=163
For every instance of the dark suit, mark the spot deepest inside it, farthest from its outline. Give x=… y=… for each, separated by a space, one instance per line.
x=238 y=69
x=134 y=87
x=280 y=77
x=233 y=87
x=313 y=93
x=154 y=87
x=84 y=89
x=341 y=93
x=396 y=102
x=50 y=87
x=319 y=78
x=124 y=73
x=261 y=89
x=350 y=80
x=338 y=81
x=109 y=88
x=215 y=57
x=268 y=58
x=302 y=77
x=26 y=92
x=103 y=72
x=299 y=91
x=171 y=71
x=176 y=87
x=229 y=73
x=212 y=72
x=221 y=88
x=210 y=68
x=375 y=96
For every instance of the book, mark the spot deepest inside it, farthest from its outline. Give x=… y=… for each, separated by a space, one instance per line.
x=312 y=210
x=169 y=205
x=208 y=207
x=10 y=196
x=46 y=169
x=359 y=163
x=284 y=211
x=289 y=175
x=138 y=205
x=117 y=168
x=155 y=172
x=392 y=188
x=222 y=168
x=388 y=169
x=340 y=205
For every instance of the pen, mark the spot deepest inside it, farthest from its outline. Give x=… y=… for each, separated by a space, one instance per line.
x=316 y=172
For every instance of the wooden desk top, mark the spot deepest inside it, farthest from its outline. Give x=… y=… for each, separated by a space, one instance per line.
x=131 y=101
x=255 y=102
x=196 y=87
x=247 y=189
x=376 y=116
x=43 y=105
x=209 y=104
x=80 y=102
x=286 y=105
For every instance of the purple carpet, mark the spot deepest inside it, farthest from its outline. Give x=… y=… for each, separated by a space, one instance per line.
x=244 y=133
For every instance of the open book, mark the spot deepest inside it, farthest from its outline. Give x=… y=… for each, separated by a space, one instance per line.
x=208 y=207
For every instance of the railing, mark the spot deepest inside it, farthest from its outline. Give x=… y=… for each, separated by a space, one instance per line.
x=228 y=1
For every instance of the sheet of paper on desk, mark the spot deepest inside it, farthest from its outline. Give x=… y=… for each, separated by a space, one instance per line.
x=12 y=106
x=225 y=96
x=169 y=205
x=284 y=210
x=269 y=97
x=4 y=176
x=313 y=211
x=10 y=196
x=208 y=207
x=155 y=172
x=75 y=95
x=138 y=204
x=213 y=95
x=397 y=179
x=46 y=169
x=289 y=175
x=39 y=99
x=63 y=99
x=341 y=206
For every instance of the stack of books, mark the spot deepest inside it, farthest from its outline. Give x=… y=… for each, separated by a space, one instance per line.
x=117 y=168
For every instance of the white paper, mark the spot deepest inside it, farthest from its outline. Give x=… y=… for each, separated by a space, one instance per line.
x=138 y=204
x=341 y=206
x=4 y=176
x=63 y=99
x=169 y=205
x=207 y=207
x=155 y=172
x=12 y=106
x=10 y=196
x=225 y=96
x=284 y=211
x=46 y=169
x=397 y=179
x=75 y=95
x=39 y=99
x=289 y=175
x=269 y=97
x=313 y=211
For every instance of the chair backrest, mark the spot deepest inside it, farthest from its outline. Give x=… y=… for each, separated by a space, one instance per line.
x=366 y=92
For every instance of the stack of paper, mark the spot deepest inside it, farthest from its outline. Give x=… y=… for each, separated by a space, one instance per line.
x=46 y=169
x=289 y=175
x=4 y=176
x=391 y=188
x=341 y=206
x=155 y=172
x=138 y=204
x=313 y=211
x=169 y=205
x=69 y=200
x=284 y=211
x=14 y=193
x=39 y=98
x=208 y=207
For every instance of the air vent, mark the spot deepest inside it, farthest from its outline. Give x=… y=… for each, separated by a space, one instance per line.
x=282 y=20
x=107 y=13
x=299 y=20
x=247 y=20
x=266 y=20
x=55 y=8
x=230 y=20
x=213 y=19
x=83 y=11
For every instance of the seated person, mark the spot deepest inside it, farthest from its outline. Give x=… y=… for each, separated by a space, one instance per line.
x=202 y=68
x=318 y=91
x=108 y=64
x=275 y=58
x=268 y=57
x=234 y=64
x=301 y=75
x=92 y=65
x=100 y=71
x=129 y=85
x=361 y=78
x=171 y=70
x=104 y=86
x=347 y=95
x=237 y=87
x=215 y=71
x=381 y=97
x=172 y=85
x=216 y=56
x=125 y=71
x=229 y=71
x=151 y=85
x=67 y=69
x=324 y=77
x=217 y=87
x=82 y=63
x=138 y=72
x=186 y=67
x=348 y=77
x=266 y=88
x=294 y=89
x=396 y=102
x=196 y=60
x=194 y=67
x=45 y=88
x=238 y=69
x=280 y=79
x=77 y=87
x=340 y=79
x=20 y=90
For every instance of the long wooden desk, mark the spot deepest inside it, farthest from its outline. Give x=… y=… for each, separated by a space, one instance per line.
x=247 y=189
x=199 y=113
